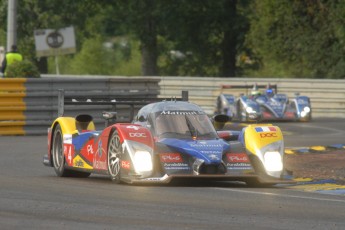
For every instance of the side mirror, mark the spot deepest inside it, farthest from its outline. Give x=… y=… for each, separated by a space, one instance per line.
x=110 y=117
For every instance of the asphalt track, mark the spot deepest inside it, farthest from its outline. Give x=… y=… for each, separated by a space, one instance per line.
x=32 y=197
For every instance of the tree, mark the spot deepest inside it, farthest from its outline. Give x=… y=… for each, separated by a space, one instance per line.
x=299 y=38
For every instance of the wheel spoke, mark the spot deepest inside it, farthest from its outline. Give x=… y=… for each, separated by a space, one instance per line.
x=114 y=156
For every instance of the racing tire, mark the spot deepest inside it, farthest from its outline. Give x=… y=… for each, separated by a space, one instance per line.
x=57 y=154
x=114 y=157
x=59 y=160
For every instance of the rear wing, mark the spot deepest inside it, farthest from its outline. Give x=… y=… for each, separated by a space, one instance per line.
x=248 y=87
x=131 y=102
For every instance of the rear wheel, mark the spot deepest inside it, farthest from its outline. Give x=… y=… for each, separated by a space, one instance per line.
x=59 y=158
x=58 y=154
x=114 y=155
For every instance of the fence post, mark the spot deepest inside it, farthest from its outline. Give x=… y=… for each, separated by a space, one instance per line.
x=61 y=102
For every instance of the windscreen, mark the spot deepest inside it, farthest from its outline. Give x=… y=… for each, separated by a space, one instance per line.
x=183 y=125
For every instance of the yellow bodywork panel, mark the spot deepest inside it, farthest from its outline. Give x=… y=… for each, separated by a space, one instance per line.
x=258 y=136
x=68 y=125
x=78 y=162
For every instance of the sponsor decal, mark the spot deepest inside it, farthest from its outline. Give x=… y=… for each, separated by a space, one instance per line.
x=267 y=115
x=125 y=164
x=89 y=149
x=176 y=166
x=100 y=152
x=133 y=127
x=100 y=165
x=237 y=157
x=67 y=138
x=79 y=163
x=68 y=151
x=178 y=112
x=213 y=157
x=264 y=135
x=238 y=166
x=265 y=129
x=137 y=135
x=289 y=114
x=202 y=144
x=171 y=157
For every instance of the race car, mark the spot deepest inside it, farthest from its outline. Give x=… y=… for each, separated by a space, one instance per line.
x=167 y=140
x=264 y=107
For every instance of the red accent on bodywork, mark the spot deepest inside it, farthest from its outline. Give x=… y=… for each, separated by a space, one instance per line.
x=135 y=133
x=237 y=157
x=224 y=134
x=267 y=115
x=171 y=157
x=49 y=143
x=125 y=164
x=89 y=149
x=289 y=115
x=69 y=153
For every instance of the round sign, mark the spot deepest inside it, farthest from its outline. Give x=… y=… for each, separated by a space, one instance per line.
x=55 y=39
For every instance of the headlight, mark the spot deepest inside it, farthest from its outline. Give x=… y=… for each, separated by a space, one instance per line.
x=273 y=161
x=249 y=110
x=306 y=109
x=142 y=161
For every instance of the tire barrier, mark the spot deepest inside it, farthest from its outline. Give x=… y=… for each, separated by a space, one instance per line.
x=28 y=106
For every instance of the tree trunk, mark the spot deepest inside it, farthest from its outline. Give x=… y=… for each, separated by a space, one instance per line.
x=228 y=68
x=149 y=42
x=149 y=59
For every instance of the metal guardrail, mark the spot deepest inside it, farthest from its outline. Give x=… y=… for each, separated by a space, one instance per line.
x=28 y=106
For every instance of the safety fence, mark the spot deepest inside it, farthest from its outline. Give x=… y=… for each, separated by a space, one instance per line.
x=28 y=106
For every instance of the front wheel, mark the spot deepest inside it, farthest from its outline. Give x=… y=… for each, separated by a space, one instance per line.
x=58 y=154
x=114 y=157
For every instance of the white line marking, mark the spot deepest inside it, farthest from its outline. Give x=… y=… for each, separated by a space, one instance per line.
x=280 y=195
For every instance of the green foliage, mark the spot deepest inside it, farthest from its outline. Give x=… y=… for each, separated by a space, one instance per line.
x=265 y=38
x=298 y=38
x=119 y=56
x=23 y=69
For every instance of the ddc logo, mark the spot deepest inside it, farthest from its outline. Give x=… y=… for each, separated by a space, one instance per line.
x=264 y=135
x=137 y=134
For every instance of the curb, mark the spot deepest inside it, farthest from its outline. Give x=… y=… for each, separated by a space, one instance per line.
x=314 y=149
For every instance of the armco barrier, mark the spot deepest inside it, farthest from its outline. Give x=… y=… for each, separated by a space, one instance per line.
x=28 y=106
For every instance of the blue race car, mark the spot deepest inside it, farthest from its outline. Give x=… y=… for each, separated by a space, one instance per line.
x=268 y=106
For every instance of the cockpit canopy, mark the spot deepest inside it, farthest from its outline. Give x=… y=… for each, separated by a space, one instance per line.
x=176 y=119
